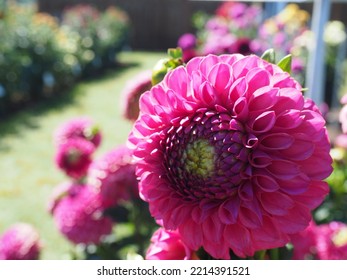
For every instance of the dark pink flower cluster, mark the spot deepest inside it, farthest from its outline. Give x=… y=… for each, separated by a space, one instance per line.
x=76 y=141
x=79 y=206
x=20 y=242
x=78 y=213
x=230 y=154
x=113 y=175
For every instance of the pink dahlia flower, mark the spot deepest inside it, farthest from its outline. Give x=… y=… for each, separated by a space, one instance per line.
x=82 y=127
x=74 y=157
x=20 y=242
x=167 y=245
x=230 y=155
x=132 y=93
x=332 y=241
x=79 y=215
x=114 y=176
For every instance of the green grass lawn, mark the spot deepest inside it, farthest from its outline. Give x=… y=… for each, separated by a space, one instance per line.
x=28 y=173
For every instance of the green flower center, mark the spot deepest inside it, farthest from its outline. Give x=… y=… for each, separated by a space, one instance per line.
x=198 y=158
x=340 y=238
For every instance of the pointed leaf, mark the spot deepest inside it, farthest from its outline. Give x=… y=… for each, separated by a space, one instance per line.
x=269 y=55
x=286 y=63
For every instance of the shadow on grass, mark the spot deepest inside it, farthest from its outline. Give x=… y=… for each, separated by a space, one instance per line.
x=27 y=117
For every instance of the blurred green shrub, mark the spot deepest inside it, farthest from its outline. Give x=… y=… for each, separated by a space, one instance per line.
x=40 y=57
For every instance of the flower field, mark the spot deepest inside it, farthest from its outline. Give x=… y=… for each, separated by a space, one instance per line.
x=209 y=151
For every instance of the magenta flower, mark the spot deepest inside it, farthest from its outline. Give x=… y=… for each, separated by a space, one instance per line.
x=230 y=155
x=82 y=127
x=167 y=245
x=113 y=175
x=79 y=215
x=187 y=41
x=332 y=241
x=20 y=242
x=74 y=157
x=132 y=93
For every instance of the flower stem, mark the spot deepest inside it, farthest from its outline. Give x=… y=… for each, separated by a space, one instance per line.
x=260 y=255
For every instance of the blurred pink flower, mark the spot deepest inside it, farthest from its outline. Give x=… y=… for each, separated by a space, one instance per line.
x=74 y=157
x=187 y=42
x=20 y=242
x=227 y=153
x=81 y=127
x=341 y=141
x=167 y=245
x=79 y=215
x=113 y=175
x=132 y=93
x=332 y=241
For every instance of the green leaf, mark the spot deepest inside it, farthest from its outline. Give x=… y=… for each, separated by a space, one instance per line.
x=286 y=63
x=269 y=55
x=175 y=53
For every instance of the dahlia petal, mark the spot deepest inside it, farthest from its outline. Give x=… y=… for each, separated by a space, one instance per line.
x=193 y=64
x=295 y=185
x=315 y=194
x=178 y=215
x=249 y=218
x=289 y=119
x=212 y=229
x=268 y=236
x=242 y=66
x=288 y=98
x=313 y=124
x=239 y=240
x=237 y=90
x=299 y=150
x=217 y=250
x=266 y=183
x=283 y=80
x=264 y=122
x=296 y=220
x=230 y=59
x=246 y=192
x=276 y=141
x=207 y=63
x=276 y=203
x=260 y=159
x=177 y=80
x=257 y=78
x=318 y=166
x=207 y=94
x=228 y=211
x=263 y=99
x=220 y=76
x=283 y=169
x=191 y=234
x=241 y=108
